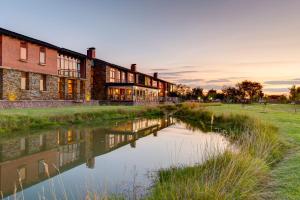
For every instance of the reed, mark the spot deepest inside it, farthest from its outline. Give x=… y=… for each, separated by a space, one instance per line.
x=241 y=174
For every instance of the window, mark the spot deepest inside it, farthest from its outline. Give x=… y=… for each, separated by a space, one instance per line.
x=41 y=167
x=112 y=75
x=43 y=83
x=22 y=173
x=22 y=144
x=25 y=81
x=130 y=78
x=123 y=77
x=42 y=55
x=23 y=51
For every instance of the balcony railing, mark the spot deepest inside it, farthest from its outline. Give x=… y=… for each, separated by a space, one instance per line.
x=70 y=73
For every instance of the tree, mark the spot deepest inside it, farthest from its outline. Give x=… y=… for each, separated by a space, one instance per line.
x=211 y=94
x=197 y=93
x=294 y=95
x=231 y=94
x=250 y=90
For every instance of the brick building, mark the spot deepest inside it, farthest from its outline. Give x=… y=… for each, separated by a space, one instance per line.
x=32 y=70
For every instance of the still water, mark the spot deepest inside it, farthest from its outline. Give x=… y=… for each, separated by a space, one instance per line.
x=114 y=158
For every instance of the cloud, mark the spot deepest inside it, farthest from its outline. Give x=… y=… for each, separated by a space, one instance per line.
x=282 y=90
x=178 y=73
x=160 y=69
x=286 y=82
x=189 y=81
x=221 y=80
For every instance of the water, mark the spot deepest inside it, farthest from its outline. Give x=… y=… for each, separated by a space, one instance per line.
x=117 y=157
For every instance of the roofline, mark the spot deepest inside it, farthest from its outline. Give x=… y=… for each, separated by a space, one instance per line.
x=26 y=38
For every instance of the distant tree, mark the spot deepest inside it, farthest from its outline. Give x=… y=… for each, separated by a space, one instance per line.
x=294 y=95
x=211 y=94
x=231 y=94
x=197 y=93
x=250 y=90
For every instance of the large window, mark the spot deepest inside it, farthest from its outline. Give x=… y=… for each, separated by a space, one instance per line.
x=43 y=83
x=25 y=81
x=130 y=78
x=42 y=55
x=23 y=51
x=68 y=66
x=123 y=77
x=147 y=81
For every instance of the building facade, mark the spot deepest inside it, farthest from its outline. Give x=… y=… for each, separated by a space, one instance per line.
x=113 y=83
x=33 y=70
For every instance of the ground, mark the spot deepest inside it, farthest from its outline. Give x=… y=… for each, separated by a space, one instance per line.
x=287 y=173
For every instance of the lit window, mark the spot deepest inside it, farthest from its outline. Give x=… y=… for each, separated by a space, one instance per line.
x=25 y=81
x=43 y=83
x=41 y=167
x=23 y=51
x=42 y=55
x=22 y=173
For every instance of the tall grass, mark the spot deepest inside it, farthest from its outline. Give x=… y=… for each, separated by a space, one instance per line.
x=241 y=174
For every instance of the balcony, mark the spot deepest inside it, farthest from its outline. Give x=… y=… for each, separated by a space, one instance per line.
x=72 y=73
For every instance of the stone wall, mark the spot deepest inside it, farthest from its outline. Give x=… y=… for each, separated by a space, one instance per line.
x=10 y=84
x=4 y=104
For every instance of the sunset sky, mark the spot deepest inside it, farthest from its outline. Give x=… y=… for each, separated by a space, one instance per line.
x=206 y=43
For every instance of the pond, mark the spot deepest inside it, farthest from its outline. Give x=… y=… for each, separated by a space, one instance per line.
x=120 y=157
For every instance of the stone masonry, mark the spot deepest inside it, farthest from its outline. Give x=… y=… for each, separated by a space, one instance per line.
x=10 y=86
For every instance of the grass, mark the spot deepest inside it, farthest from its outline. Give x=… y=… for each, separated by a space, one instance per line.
x=13 y=120
x=241 y=174
x=286 y=174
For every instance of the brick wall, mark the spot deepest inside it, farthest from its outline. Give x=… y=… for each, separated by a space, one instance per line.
x=11 y=86
x=11 y=57
x=0 y=50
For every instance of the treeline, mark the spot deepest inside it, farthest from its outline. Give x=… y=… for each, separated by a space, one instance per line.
x=242 y=92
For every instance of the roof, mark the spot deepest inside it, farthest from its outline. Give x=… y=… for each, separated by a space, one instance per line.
x=26 y=38
x=39 y=42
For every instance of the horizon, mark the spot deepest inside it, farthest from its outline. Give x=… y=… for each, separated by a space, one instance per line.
x=197 y=43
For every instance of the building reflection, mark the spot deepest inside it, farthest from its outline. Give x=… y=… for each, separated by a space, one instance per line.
x=34 y=158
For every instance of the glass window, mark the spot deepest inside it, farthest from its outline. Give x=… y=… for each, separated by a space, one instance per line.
x=25 y=81
x=22 y=173
x=42 y=55
x=41 y=167
x=43 y=83
x=23 y=51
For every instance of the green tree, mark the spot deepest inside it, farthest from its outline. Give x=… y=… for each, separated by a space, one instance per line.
x=250 y=90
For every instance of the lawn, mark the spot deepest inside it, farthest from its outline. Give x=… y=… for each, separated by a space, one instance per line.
x=12 y=120
x=287 y=173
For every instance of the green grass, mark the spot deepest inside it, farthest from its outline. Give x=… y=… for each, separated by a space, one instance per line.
x=286 y=174
x=244 y=174
x=14 y=120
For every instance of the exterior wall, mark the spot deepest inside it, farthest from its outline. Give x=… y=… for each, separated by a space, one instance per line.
x=0 y=50
x=11 y=86
x=88 y=82
x=11 y=57
x=99 y=91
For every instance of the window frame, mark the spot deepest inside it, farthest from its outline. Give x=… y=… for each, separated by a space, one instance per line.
x=25 y=75
x=24 y=45
x=43 y=50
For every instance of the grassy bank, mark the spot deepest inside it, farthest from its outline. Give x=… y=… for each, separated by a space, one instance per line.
x=24 y=119
x=286 y=174
x=241 y=174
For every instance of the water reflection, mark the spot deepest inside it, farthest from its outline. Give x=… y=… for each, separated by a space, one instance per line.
x=23 y=158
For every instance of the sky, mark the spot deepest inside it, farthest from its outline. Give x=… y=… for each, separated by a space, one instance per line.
x=201 y=43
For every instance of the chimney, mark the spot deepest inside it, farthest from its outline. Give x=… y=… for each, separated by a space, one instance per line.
x=133 y=67
x=91 y=53
x=155 y=75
